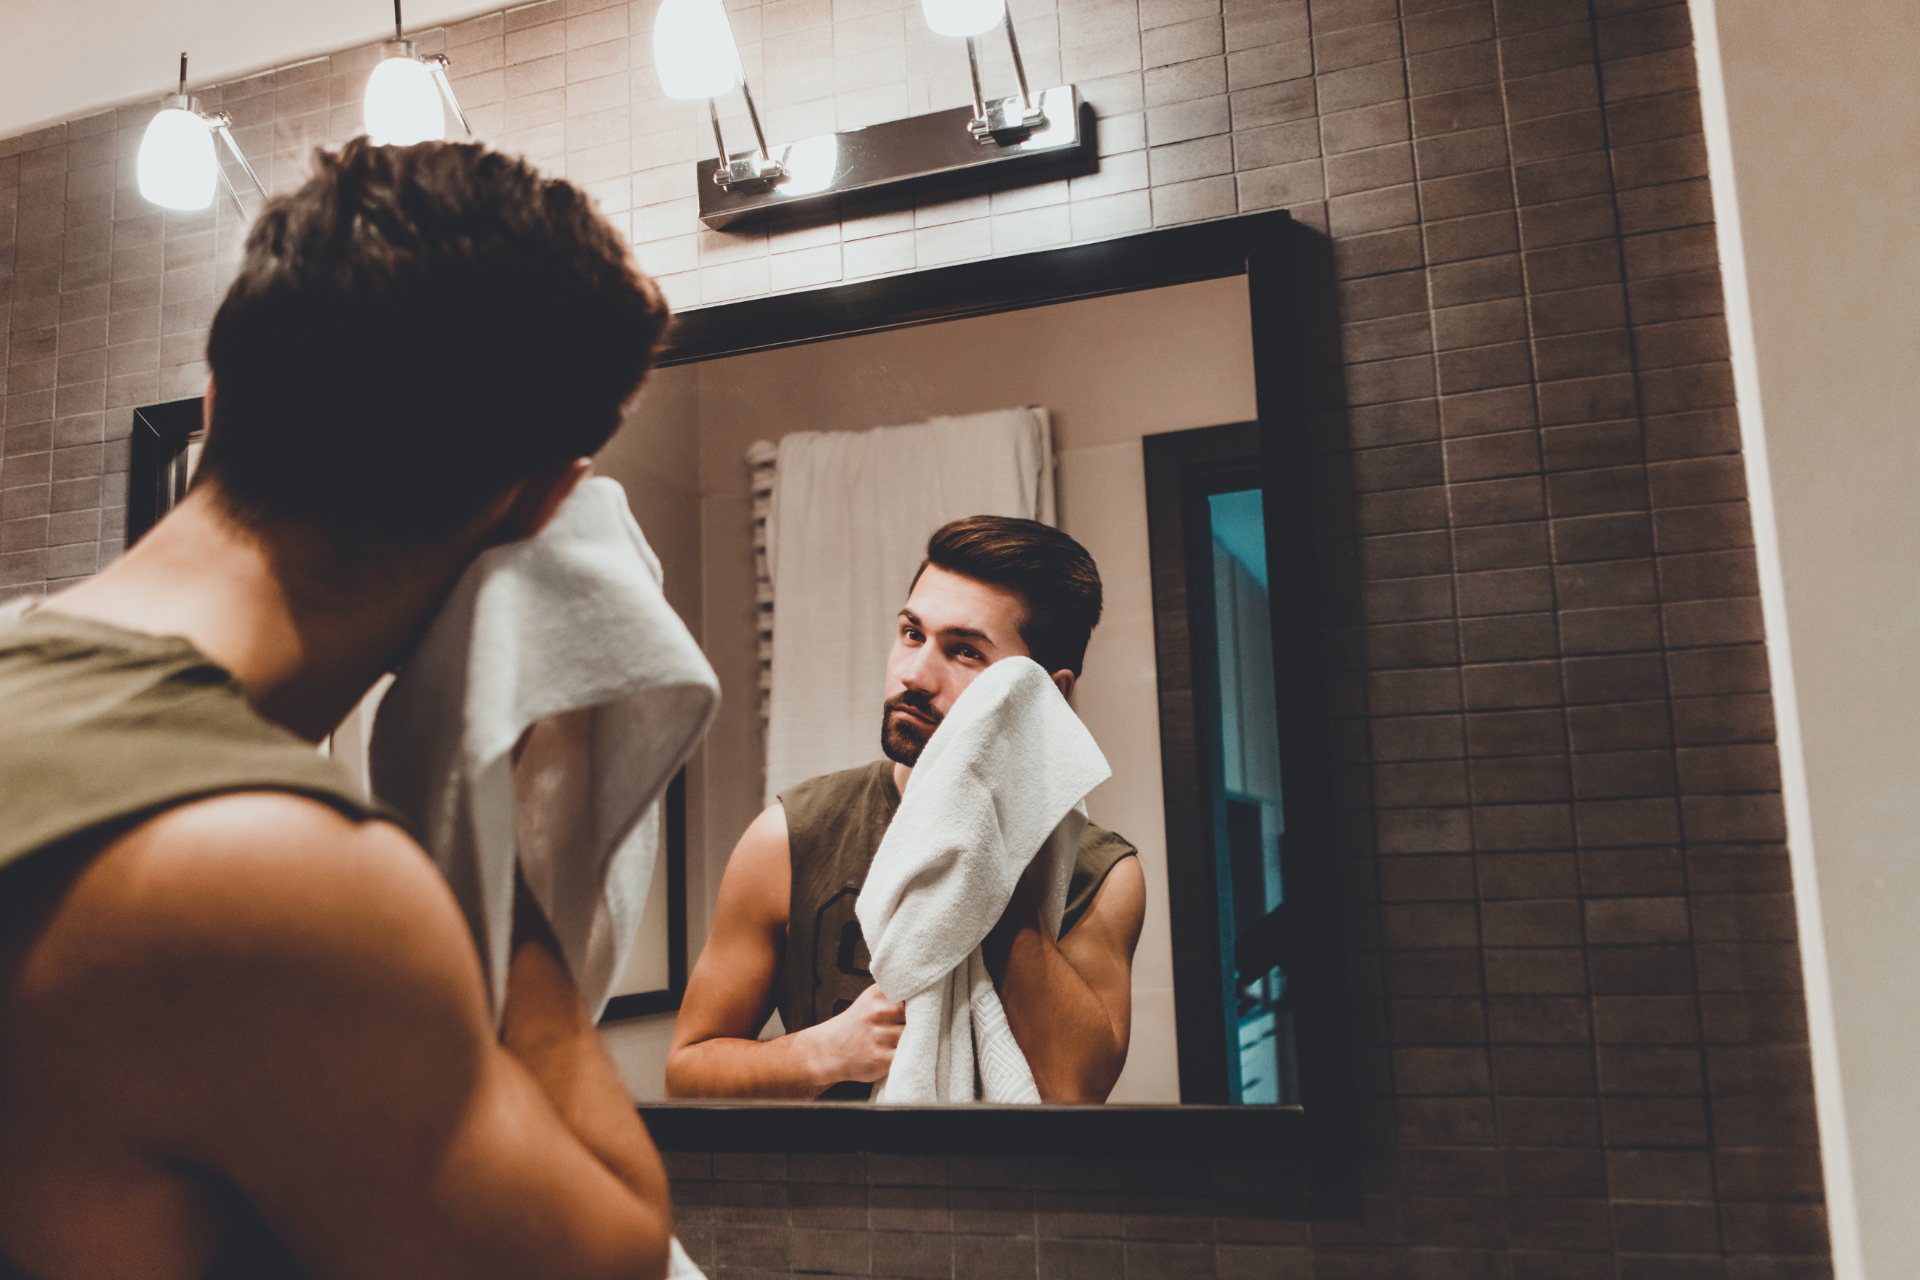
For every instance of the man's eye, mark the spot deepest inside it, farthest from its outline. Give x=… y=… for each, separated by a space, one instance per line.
x=911 y=634
x=967 y=651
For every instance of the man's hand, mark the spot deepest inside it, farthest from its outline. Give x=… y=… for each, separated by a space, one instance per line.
x=858 y=1042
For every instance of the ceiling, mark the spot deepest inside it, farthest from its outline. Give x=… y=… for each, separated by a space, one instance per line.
x=64 y=59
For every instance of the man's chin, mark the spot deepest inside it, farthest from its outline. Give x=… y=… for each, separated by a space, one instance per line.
x=899 y=747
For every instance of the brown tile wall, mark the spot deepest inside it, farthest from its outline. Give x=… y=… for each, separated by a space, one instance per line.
x=1581 y=1043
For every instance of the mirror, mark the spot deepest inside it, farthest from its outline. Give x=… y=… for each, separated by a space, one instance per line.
x=1213 y=1017
x=1108 y=371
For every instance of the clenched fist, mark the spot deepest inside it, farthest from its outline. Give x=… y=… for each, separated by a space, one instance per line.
x=858 y=1042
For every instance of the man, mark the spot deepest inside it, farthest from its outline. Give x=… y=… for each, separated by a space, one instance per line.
x=784 y=932
x=245 y=1032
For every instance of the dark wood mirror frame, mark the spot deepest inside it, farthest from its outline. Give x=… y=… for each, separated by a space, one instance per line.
x=1269 y=250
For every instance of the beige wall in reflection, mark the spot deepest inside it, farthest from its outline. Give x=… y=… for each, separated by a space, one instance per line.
x=1111 y=370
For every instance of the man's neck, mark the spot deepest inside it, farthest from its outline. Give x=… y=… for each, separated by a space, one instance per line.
x=266 y=605
x=901 y=772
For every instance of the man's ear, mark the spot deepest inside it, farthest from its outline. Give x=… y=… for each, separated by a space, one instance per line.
x=538 y=499
x=1064 y=681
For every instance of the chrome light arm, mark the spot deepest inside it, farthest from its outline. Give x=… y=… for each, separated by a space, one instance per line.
x=438 y=64
x=222 y=124
x=1004 y=120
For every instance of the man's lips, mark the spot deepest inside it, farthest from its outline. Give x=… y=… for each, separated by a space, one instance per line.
x=916 y=715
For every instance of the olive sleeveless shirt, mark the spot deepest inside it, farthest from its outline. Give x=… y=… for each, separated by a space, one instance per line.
x=834 y=826
x=101 y=727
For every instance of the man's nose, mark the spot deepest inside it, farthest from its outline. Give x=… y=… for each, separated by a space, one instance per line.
x=922 y=670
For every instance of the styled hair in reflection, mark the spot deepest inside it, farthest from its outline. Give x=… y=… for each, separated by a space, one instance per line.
x=411 y=333
x=1053 y=574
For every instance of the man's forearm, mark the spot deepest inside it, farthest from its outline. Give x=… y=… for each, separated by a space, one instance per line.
x=546 y=1026
x=729 y=1068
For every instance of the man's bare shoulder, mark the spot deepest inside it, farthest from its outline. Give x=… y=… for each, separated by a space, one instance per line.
x=1118 y=911
x=258 y=986
x=216 y=920
x=273 y=869
x=766 y=835
x=759 y=876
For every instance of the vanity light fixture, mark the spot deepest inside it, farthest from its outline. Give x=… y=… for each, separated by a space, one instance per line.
x=695 y=57
x=177 y=168
x=404 y=93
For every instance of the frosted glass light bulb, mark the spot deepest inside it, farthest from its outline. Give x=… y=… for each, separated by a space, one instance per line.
x=176 y=165
x=693 y=50
x=963 y=17
x=403 y=104
x=811 y=165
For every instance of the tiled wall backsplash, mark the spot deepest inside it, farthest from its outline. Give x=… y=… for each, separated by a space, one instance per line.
x=1580 y=1037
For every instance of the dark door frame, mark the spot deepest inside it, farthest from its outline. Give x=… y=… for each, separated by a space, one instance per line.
x=1182 y=469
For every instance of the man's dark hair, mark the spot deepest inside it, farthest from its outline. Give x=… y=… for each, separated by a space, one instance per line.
x=412 y=332
x=1053 y=574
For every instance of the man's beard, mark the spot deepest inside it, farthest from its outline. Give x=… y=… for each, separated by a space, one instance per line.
x=901 y=739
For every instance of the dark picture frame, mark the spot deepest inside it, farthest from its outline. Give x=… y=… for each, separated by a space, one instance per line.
x=157 y=461
x=639 y=1004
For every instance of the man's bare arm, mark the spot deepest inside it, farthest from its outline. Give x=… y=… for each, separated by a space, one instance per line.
x=546 y=1025
x=1069 y=1003
x=314 y=1031
x=731 y=994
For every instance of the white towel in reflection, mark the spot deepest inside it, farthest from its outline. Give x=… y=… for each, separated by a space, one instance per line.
x=1001 y=782
x=567 y=631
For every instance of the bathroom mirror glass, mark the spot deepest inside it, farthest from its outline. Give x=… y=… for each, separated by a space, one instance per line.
x=1108 y=371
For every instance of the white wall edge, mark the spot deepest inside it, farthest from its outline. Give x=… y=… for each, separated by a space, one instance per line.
x=1843 y=1217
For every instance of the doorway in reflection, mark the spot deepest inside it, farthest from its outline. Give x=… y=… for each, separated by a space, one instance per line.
x=1245 y=791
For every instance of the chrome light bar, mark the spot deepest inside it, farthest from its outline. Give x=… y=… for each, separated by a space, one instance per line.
x=1040 y=133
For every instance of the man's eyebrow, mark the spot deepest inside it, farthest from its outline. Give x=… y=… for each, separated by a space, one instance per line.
x=959 y=632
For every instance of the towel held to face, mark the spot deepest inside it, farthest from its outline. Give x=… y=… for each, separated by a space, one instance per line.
x=1001 y=783
x=566 y=633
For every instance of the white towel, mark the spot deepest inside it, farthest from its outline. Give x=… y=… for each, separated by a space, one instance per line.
x=569 y=628
x=1001 y=782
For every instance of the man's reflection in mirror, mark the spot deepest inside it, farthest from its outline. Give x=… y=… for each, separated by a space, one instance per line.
x=784 y=933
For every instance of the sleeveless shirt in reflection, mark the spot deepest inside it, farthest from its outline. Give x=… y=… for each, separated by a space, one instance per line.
x=834 y=826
